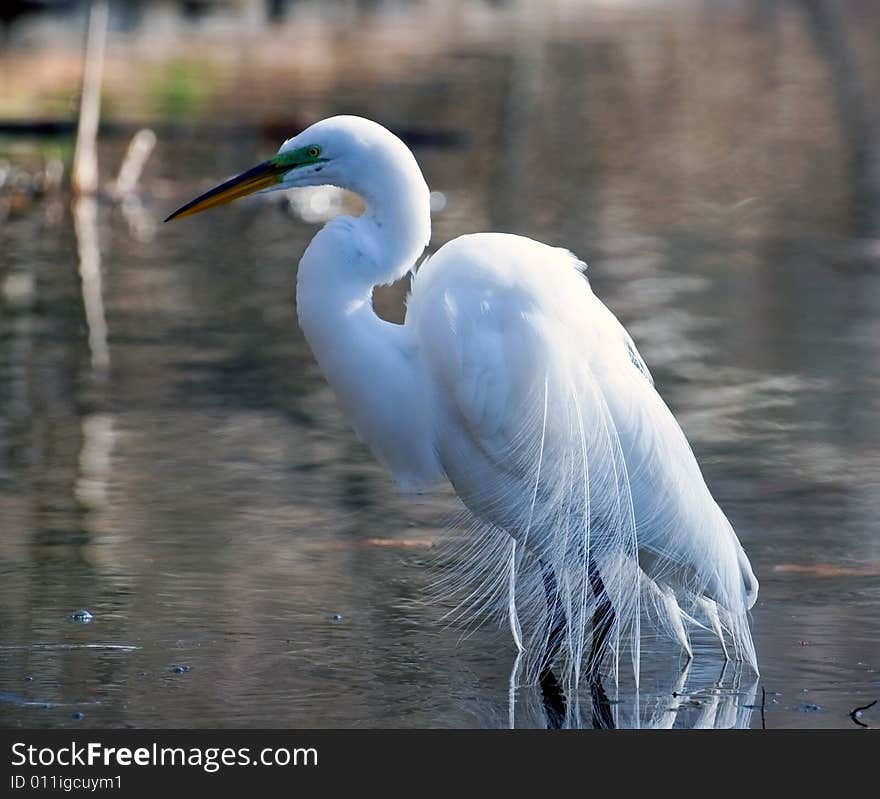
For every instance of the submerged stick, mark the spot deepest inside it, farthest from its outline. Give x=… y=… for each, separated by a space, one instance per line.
x=85 y=224
x=856 y=712
x=139 y=149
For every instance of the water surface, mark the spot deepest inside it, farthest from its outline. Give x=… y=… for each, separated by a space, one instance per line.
x=246 y=562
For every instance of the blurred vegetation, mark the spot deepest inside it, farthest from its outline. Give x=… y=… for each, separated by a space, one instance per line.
x=179 y=89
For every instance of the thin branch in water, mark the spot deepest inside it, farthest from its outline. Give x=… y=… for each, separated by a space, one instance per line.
x=85 y=225
x=84 y=176
x=139 y=149
x=856 y=712
x=763 y=703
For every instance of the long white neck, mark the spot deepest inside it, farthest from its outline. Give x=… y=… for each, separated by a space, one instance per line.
x=371 y=364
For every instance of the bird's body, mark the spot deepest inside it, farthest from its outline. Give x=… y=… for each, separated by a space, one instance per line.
x=512 y=380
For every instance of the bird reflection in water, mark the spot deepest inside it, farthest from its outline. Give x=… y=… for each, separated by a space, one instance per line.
x=700 y=696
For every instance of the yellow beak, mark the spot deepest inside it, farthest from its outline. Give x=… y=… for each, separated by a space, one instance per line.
x=262 y=176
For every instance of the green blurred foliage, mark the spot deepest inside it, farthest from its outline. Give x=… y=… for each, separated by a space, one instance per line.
x=179 y=90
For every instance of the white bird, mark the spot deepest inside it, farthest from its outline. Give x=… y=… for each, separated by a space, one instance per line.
x=512 y=380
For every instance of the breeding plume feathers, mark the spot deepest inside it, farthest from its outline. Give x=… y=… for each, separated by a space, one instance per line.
x=549 y=427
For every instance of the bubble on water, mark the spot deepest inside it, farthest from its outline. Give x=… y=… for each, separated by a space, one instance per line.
x=181 y=669
x=78 y=715
x=82 y=617
x=336 y=617
x=28 y=679
x=810 y=708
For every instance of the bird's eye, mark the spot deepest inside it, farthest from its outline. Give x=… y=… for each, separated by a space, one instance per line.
x=314 y=152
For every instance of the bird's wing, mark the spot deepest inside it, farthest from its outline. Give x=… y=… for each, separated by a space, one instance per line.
x=482 y=327
x=521 y=424
x=549 y=426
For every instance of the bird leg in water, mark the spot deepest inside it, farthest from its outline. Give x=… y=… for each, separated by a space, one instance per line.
x=551 y=692
x=603 y=619
x=557 y=622
x=603 y=716
x=553 y=698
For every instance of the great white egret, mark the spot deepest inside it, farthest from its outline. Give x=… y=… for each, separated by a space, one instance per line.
x=513 y=381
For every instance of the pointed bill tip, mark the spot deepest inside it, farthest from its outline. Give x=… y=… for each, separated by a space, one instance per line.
x=262 y=176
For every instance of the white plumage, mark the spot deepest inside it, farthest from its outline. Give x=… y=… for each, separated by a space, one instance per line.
x=512 y=380
x=547 y=423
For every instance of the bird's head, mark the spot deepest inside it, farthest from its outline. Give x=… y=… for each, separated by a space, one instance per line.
x=346 y=151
